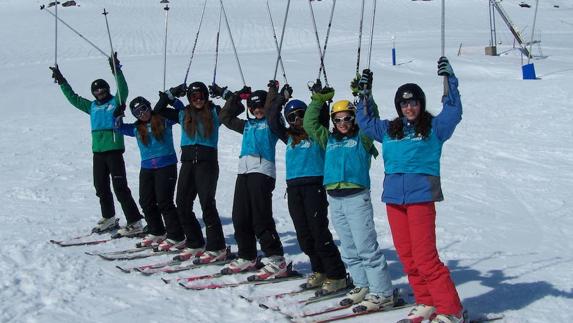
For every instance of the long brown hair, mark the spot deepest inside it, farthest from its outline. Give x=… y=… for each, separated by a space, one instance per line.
x=422 y=126
x=297 y=135
x=157 y=128
x=194 y=116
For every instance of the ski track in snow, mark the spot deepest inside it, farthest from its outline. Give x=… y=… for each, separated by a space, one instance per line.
x=504 y=228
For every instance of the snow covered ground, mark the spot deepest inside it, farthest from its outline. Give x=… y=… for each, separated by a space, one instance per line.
x=504 y=229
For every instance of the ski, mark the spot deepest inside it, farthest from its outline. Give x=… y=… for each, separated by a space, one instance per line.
x=476 y=320
x=156 y=265
x=352 y=314
x=117 y=252
x=136 y=255
x=71 y=239
x=291 y=275
x=182 y=267
x=79 y=243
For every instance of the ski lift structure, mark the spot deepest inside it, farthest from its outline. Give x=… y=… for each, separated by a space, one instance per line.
x=528 y=69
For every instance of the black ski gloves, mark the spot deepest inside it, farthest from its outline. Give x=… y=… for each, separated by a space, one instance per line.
x=286 y=92
x=117 y=64
x=219 y=92
x=119 y=111
x=273 y=84
x=319 y=93
x=444 y=67
x=244 y=93
x=365 y=83
x=57 y=75
x=177 y=91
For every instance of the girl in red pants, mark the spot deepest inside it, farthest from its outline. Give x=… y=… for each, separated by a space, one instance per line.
x=412 y=145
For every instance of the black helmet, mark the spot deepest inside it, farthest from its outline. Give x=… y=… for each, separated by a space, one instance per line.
x=197 y=87
x=409 y=91
x=99 y=84
x=257 y=99
x=138 y=106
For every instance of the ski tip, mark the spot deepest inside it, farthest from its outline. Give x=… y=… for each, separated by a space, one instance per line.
x=125 y=270
x=165 y=280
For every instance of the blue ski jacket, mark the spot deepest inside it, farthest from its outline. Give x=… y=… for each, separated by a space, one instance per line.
x=412 y=164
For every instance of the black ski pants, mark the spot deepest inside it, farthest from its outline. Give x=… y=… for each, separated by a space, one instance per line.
x=156 y=192
x=199 y=178
x=253 y=216
x=106 y=164
x=308 y=208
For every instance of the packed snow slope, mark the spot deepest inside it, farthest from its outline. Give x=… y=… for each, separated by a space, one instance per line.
x=504 y=229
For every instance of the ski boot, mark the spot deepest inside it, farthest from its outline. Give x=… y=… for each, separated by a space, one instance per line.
x=130 y=230
x=274 y=267
x=355 y=296
x=239 y=265
x=188 y=253
x=315 y=280
x=150 y=240
x=170 y=245
x=331 y=286
x=462 y=317
x=106 y=224
x=374 y=302
x=212 y=256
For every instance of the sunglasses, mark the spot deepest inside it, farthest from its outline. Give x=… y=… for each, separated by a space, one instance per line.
x=141 y=110
x=196 y=96
x=293 y=115
x=412 y=103
x=347 y=119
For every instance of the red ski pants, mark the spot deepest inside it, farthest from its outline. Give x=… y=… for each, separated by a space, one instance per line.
x=414 y=233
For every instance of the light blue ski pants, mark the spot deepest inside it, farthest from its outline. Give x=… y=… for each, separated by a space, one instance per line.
x=353 y=220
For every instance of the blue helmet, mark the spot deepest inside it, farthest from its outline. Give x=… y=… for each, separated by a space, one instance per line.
x=293 y=105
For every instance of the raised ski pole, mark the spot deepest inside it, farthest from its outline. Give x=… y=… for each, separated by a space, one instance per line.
x=360 y=39
x=327 y=36
x=75 y=31
x=276 y=42
x=112 y=56
x=56 y=36
x=217 y=45
x=372 y=33
x=166 y=9
x=444 y=46
x=195 y=42
x=233 y=43
x=318 y=43
x=281 y=43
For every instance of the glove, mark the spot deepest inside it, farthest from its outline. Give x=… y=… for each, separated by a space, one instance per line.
x=286 y=92
x=244 y=93
x=325 y=95
x=118 y=121
x=219 y=92
x=117 y=64
x=355 y=85
x=119 y=111
x=178 y=91
x=444 y=67
x=316 y=87
x=273 y=84
x=366 y=80
x=57 y=75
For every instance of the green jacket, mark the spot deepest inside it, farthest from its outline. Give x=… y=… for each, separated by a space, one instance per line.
x=320 y=133
x=102 y=140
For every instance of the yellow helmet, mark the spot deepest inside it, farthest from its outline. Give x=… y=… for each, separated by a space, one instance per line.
x=342 y=105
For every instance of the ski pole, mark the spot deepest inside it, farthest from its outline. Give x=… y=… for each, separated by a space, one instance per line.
x=318 y=42
x=281 y=43
x=372 y=33
x=532 y=32
x=113 y=62
x=217 y=46
x=112 y=56
x=195 y=42
x=166 y=8
x=233 y=43
x=75 y=31
x=327 y=36
x=56 y=36
x=444 y=46
x=360 y=39
x=276 y=42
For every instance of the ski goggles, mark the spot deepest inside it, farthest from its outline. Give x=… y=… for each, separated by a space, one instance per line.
x=291 y=117
x=196 y=96
x=140 y=110
x=346 y=119
x=411 y=102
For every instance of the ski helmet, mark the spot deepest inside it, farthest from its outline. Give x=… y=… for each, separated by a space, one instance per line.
x=409 y=91
x=99 y=84
x=139 y=106
x=296 y=106
x=342 y=105
x=257 y=99
x=197 y=87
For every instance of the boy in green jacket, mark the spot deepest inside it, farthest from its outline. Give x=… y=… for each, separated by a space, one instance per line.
x=107 y=147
